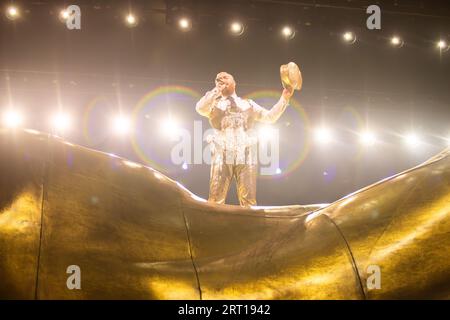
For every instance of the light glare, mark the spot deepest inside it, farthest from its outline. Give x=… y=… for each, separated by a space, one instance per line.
x=288 y=32
x=349 y=37
x=323 y=135
x=12 y=119
x=367 y=138
x=122 y=125
x=131 y=20
x=237 y=28
x=442 y=45
x=12 y=12
x=169 y=128
x=60 y=122
x=184 y=23
x=412 y=139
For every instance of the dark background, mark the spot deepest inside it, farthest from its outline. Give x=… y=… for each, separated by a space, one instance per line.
x=109 y=67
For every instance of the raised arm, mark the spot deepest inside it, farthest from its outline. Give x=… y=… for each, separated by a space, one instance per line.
x=204 y=105
x=272 y=115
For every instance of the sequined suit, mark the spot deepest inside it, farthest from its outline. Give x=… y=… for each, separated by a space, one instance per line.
x=234 y=143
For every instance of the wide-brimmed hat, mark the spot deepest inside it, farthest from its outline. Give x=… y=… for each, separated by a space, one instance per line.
x=291 y=76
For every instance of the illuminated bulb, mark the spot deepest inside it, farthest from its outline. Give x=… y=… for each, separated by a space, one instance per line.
x=12 y=12
x=323 y=135
x=61 y=122
x=396 y=41
x=184 y=23
x=170 y=128
x=12 y=119
x=412 y=139
x=368 y=138
x=349 y=37
x=184 y=166
x=131 y=20
x=64 y=14
x=442 y=44
x=237 y=28
x=288 y=32
x=278 y=171
x=122 y=125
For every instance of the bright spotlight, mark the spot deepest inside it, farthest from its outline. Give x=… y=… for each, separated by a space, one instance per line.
x=237 y=28
x=412 y=139
x=323 y=135
x=64 y=15
x=12 y=13
x=60 y=122
x=185 y=24
x=131 y=20
x=396 y=42
x=288 y=32
x=265 y=133
x=442 y=45
x=169 y=127
x=12 y=119
x=122 y=125
x=367 y=138
x=349 y=37
x=184 y=166
x=278 y=171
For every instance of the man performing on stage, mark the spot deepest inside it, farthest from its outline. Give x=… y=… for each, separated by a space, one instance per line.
x=232 y=147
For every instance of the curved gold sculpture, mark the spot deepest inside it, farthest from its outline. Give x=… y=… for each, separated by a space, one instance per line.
x=136 y=234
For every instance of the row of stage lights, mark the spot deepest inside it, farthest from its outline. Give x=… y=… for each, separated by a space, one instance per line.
x=236 y=28
x=122 y=125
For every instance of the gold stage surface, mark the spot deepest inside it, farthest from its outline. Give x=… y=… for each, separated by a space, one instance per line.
x=136 y=234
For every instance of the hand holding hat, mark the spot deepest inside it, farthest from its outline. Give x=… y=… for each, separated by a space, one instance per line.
x=291 y=77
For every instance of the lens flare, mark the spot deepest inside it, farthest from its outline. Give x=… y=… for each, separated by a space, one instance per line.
x=412 y=139
x=368 y=138
x=122 y=125
x=12 y=119
x=323 y=135
x=12 y=12
x=349 y=37
x=60 y=122
x=131 y=20
x=237 y=28
x=288 y=32
x=185 y=24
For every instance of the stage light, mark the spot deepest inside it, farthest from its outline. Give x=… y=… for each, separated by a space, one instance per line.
x=121 y=125
x=323 y=135
x=288 y=32
x=412 y=139
x=12 y=12
x=278 y=171
x=265 y=133
x=184 y=166
x=442 y=45
x=131 y=20
x=367 y=138
x=64 y=15
x=236 y=28
x=397 y=42
x=60 y=122
x=12 y=119
x=169 y=128
x=349 y=37
x=185 y=24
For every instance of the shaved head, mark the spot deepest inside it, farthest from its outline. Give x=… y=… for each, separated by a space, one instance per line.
x=226 y=81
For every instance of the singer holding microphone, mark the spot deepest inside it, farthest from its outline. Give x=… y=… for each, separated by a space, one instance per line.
x=233 y=146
